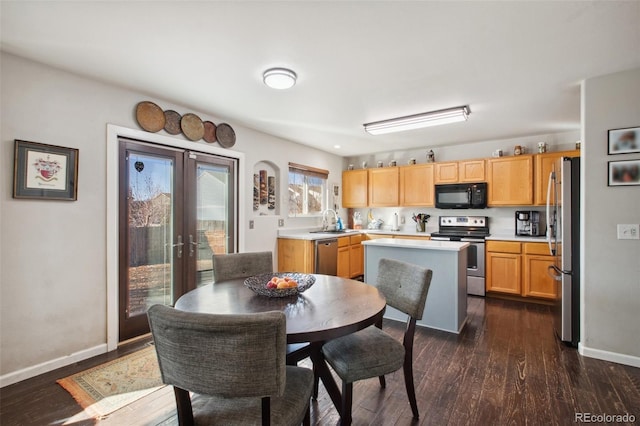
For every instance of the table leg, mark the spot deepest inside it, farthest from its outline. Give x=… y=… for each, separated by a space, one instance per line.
x=322 y=370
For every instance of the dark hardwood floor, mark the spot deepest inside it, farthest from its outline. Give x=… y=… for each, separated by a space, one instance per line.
x=506 y=367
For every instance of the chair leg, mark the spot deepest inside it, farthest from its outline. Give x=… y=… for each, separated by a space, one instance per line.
x=347 y=400
x=307 y=417
x=411 y=391
x=183 y=406
x=316 y=383
x=383 y=382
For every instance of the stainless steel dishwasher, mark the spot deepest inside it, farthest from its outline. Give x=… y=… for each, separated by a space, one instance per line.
x=327 y=256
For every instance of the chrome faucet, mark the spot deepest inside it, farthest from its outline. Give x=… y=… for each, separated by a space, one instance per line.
x=325 y=223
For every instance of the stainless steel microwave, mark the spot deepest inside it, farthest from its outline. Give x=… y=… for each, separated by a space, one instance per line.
x=461 y=196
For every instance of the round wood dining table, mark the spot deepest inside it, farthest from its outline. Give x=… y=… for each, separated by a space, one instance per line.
x=330 y=308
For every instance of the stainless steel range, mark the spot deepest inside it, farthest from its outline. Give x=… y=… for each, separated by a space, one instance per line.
x=471 y=229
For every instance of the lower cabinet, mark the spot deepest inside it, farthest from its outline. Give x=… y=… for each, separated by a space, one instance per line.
x=343 y=257
x=350 y=256
x=356 y=256
x=537 y=281
x=504 y=267
x=519 y=269
x=296 y=255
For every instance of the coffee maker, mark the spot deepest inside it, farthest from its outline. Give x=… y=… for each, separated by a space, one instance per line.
x=529 y=223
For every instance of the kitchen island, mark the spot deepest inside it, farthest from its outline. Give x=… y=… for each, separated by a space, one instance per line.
x=446 y=306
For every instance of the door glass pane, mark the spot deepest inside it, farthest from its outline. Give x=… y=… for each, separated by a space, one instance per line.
x=212 y=223
x=150 y=217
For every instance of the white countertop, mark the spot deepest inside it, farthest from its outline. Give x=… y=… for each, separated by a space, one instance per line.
x=309 y=234
x=417 y=244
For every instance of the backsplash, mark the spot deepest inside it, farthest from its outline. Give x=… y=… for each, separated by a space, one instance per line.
x=501 y=219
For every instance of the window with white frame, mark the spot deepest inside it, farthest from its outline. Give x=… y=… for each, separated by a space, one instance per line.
x=307 y=189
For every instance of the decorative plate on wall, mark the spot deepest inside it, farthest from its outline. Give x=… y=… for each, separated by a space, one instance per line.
x=226 y=135
x=150 y=116
x=192 y=126
x=172 y=122
x=209 y=132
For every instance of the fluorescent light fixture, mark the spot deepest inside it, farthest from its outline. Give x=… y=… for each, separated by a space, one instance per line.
x=279 y=78
x=418 y=121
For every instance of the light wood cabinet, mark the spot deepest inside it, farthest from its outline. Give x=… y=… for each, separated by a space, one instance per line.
x=446 y=172
x=543 y=167
x=460 y=171
x=416 y=185
x=510 y=181
x=503 y=267
x=519 y=269
x=383 y=187
x=537 y=281
x=356 y=259
x=471 y=171
x=296 y=255
x=355 y=188
x=343 y=258
x=350 y=256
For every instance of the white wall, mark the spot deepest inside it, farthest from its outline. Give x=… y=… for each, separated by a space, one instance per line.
x=611 y=267
x=52 y=253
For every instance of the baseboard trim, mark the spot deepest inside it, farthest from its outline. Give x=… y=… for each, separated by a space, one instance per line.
x=629 y=360
x=45 y=367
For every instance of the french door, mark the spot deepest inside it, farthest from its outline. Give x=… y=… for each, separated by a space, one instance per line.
x=176 y=209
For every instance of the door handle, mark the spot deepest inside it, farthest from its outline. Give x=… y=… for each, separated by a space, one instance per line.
x=179 y=244
x=192 y=244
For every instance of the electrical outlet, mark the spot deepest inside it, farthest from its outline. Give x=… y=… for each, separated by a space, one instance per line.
x=251 y=224
x=628 y=231
x=280 y=222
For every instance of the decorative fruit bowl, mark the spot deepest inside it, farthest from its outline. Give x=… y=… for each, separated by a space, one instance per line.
x=291 y=283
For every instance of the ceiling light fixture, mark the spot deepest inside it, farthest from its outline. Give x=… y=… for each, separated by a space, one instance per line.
x=418 y=121
x=279 y=78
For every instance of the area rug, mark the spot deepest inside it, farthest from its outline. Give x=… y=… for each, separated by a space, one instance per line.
x=110 y=386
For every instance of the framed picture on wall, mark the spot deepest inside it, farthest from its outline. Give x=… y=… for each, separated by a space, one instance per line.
x=622 y=173
x=624 y=141
x=45 y=171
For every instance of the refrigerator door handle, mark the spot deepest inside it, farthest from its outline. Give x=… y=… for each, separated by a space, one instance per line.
x=558 y=272
x=550 y=225
x=553 y=272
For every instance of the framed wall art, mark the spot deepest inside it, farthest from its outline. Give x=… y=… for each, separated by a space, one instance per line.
x=624 y=141
x=622 y=173
x=45 y=171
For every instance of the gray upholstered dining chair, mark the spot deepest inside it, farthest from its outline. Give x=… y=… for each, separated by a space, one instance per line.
x=242 y=265
x=233 y=364
x=372 y=352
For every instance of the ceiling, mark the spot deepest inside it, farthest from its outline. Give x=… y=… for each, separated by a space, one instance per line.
x=518 y=65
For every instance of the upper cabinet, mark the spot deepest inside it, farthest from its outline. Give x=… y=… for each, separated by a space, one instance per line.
x=471 y=171
x=416 y=185
x=383 y=187
x=354 y=188
x=460 y=171
x=446 y=172
x=544 y=165
x=510 y=181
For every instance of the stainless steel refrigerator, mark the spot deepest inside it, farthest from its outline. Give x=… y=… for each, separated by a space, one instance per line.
x=563 y=236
